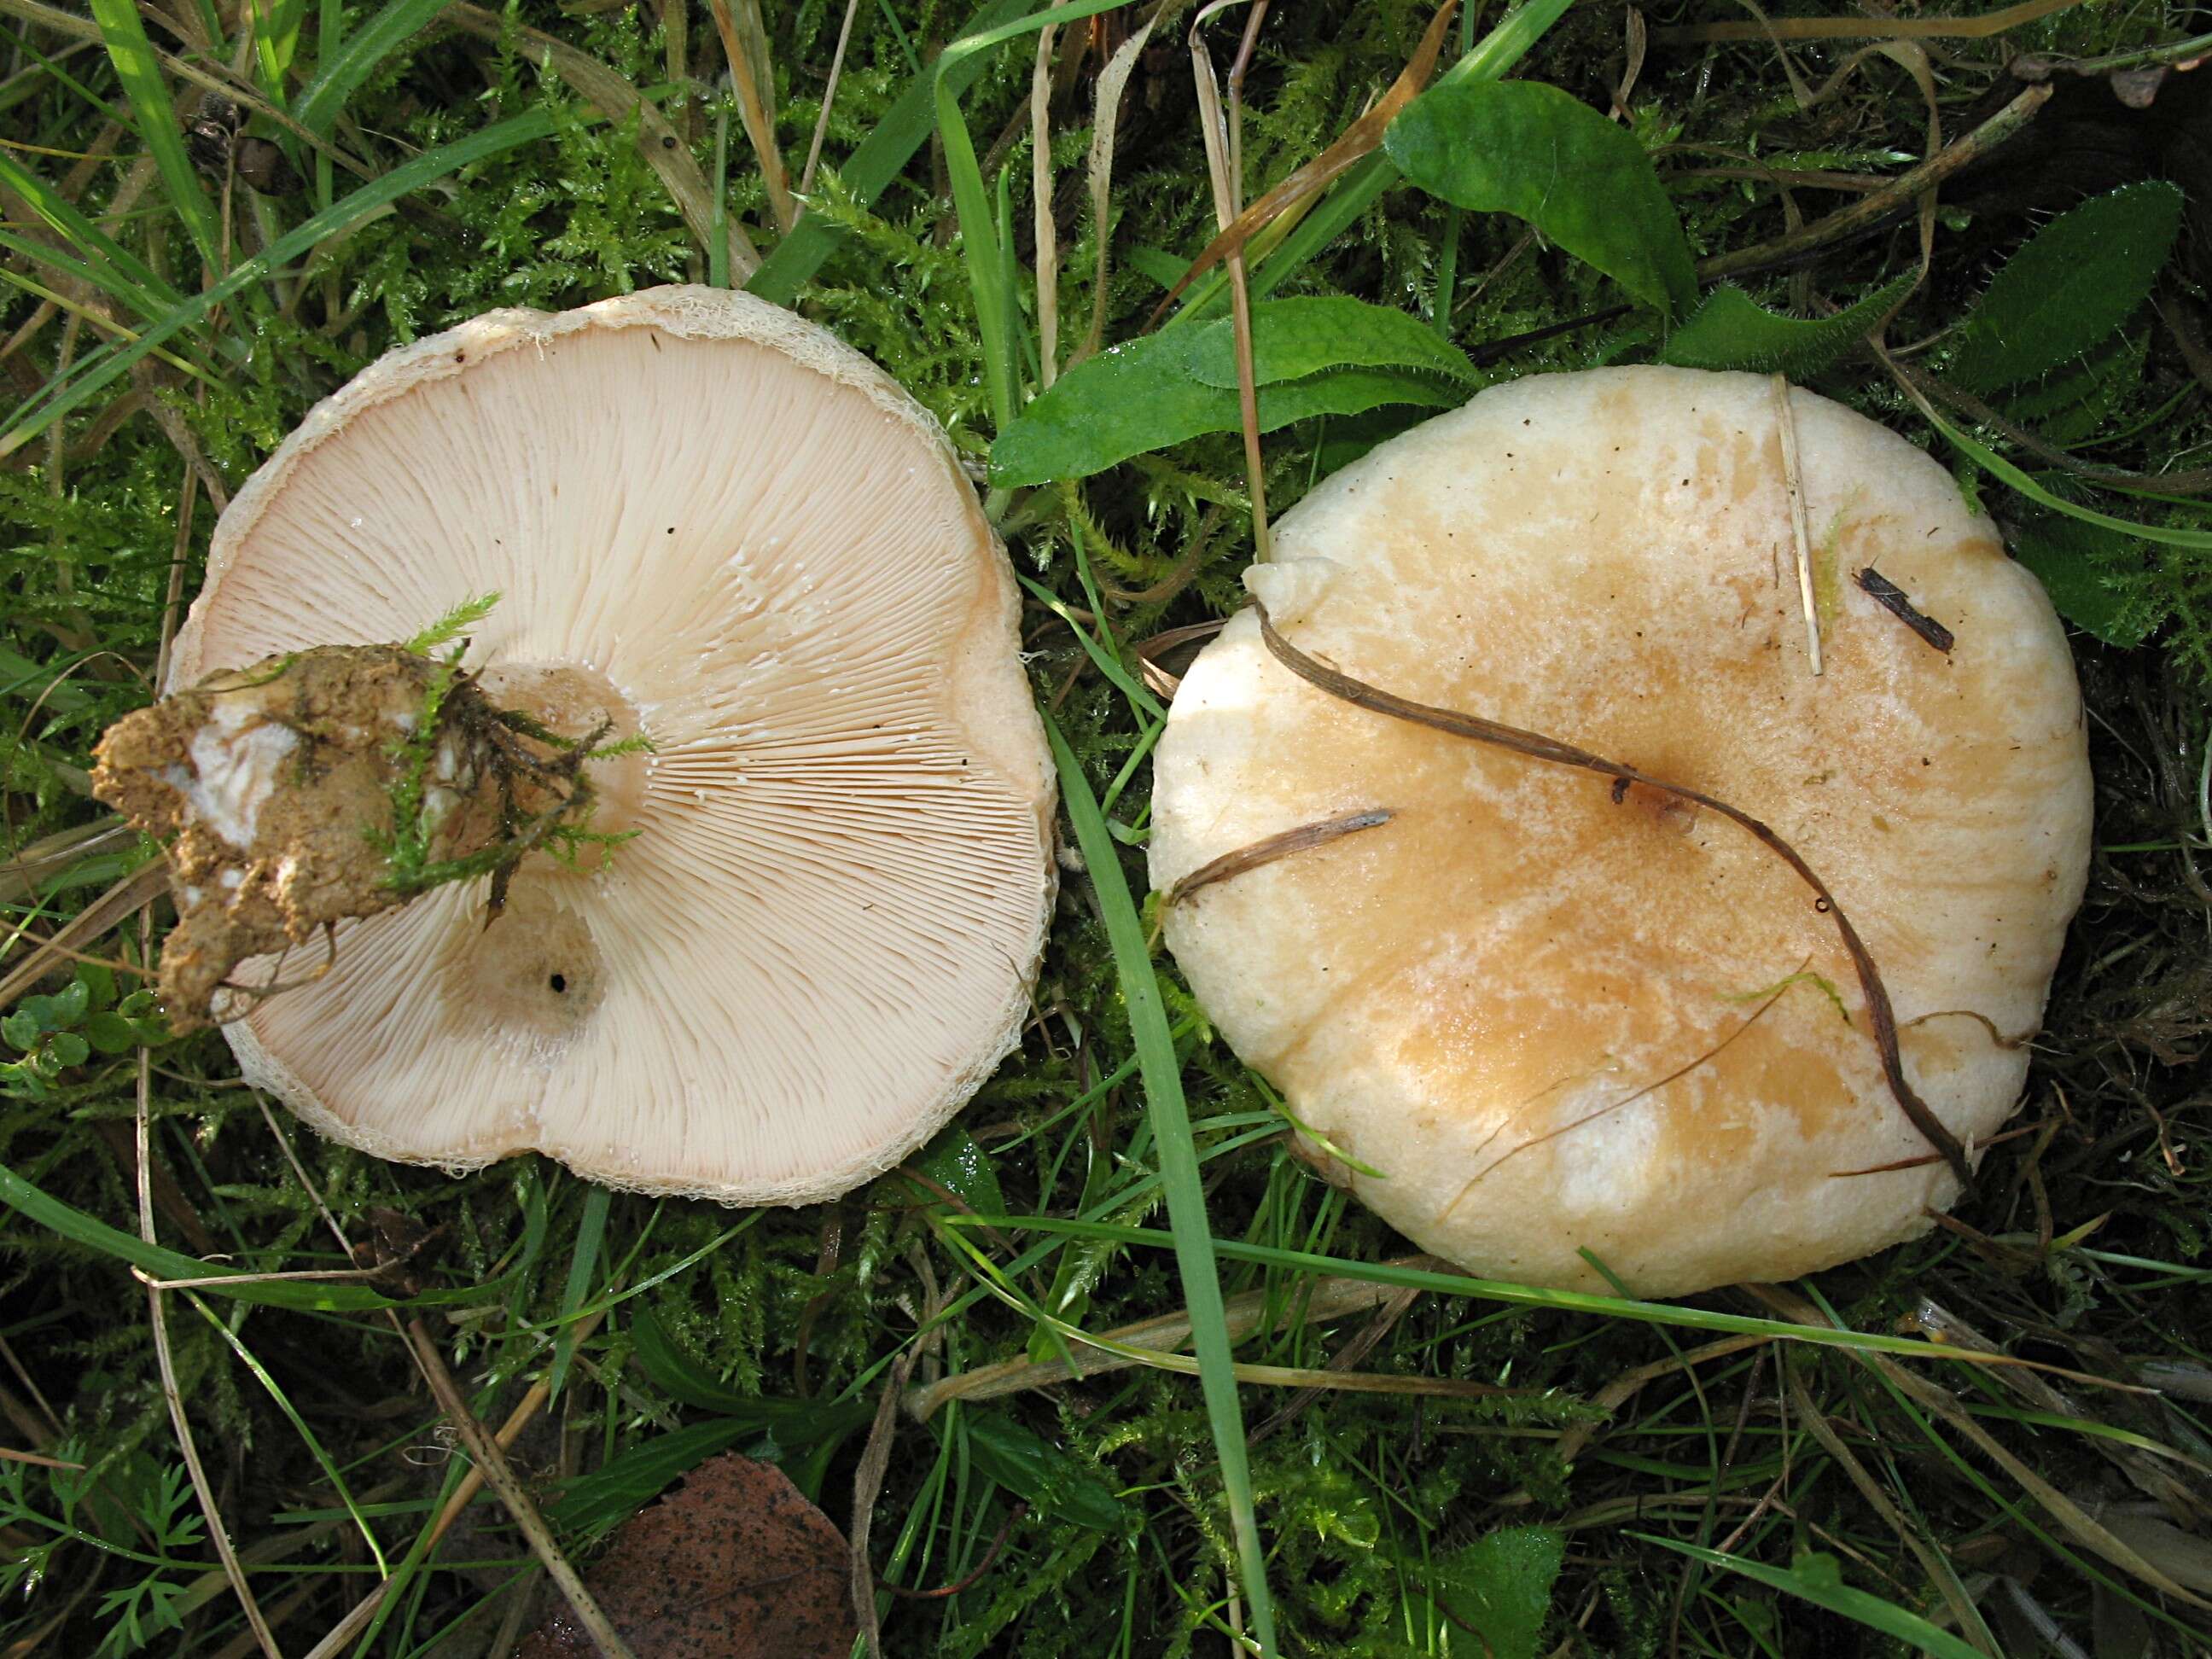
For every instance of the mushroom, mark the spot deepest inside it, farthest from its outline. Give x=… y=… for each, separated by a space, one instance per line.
x=1529 y=1007
x=713 y=526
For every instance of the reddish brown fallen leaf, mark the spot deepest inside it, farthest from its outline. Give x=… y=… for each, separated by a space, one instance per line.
x=733 y=1565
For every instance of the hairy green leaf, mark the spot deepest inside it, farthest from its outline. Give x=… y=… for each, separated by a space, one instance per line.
x=1291 y=338
x=1311 y=357
x=2085 y=569
x=1501 y=1586
x=955 y=1163
x=1733 y=330
x=2074 y=282
x=1522 y=148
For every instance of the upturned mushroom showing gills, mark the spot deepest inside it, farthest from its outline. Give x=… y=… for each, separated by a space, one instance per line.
x=744 y=568
x=1517 y=838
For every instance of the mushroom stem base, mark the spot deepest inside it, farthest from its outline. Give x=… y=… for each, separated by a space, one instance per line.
x=329 y=784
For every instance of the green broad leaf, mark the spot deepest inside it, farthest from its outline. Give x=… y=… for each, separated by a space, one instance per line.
x=1501 y=1586
x=792 y=1422
x=1054 y=1483
x=68 y=1006
x=110 y=1034
x=2076 y=282
x=1733 y=330
x=99 y=982
x=964 y=1169
x=1522 y=148
x=1351 y=196
x=2086 y=570
x=1164 y=268
x=1293 y=338
x=1165 y=388
x=68 y=1048
x=21 y=1030
x=1818 y=1579
x=676 y=1373
x=2076 y=403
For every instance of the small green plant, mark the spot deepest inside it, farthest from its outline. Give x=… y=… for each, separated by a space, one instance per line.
x=51 y=1034
x=113 y=1506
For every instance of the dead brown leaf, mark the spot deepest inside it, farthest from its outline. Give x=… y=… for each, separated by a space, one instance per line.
x=732 y=1564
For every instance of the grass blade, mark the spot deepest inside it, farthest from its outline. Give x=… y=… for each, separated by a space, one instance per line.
x=425 y=169
x=1990 y=461
x=340 y=77
x=590 y=1230
x=1178 y=1163
x=119 y=271
x=1816 y=1579
x=979 y=243
x=868 y=171
x=155 y=113
x=315 y=1447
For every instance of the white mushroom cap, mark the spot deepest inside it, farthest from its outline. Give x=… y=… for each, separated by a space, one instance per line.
x=1528 y=1006
x=714 y=523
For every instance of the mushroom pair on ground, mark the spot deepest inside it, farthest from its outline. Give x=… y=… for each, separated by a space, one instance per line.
x=1715 y=968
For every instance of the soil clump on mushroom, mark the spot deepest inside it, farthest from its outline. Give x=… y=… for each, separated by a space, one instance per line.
x=328 y=784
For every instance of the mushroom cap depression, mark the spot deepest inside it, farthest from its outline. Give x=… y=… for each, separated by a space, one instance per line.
x=1553 y=1015
x=712 y=523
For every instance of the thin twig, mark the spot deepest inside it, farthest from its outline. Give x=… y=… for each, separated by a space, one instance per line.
x=217 y=1533
x=829 y=97
x=1048 y=243
x=111 y=909
x=1269 y=848
x=967 y=1581
x=1880 y=1012
x=10 y=1454
x=485 y=1454
x=1328 y=1298
x=1866 y=28
x=1227 y=189
x=1905 y=188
